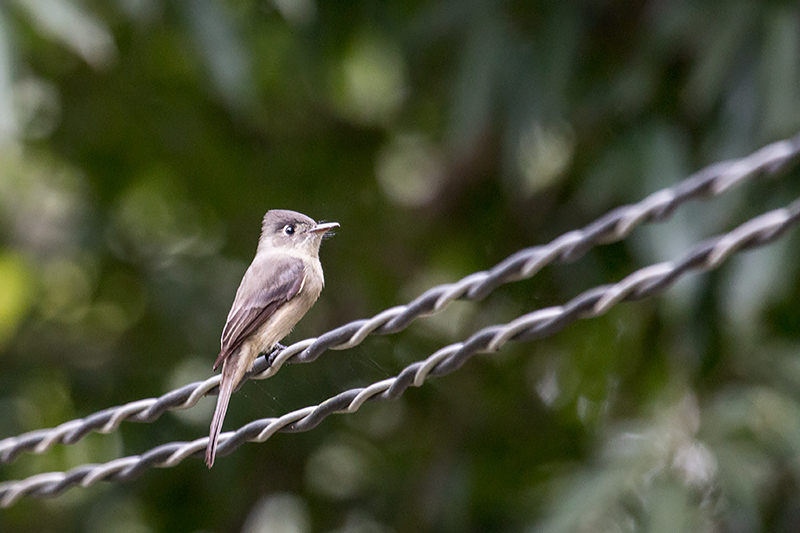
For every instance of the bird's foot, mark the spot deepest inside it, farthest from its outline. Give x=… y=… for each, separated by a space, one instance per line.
x=278 y=348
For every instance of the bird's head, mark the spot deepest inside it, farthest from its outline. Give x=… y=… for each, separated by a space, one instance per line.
x=290 y=230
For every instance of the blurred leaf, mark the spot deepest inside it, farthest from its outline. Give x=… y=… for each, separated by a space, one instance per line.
x=16 y=294
x=66 y=21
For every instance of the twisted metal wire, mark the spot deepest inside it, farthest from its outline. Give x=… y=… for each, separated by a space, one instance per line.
x=643 y=283
x=612 y=227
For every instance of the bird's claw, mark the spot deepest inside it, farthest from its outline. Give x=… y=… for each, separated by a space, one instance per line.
x=273 y=354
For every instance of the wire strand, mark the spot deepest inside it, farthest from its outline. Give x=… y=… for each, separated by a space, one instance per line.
x=614 y=226
x=643 y=283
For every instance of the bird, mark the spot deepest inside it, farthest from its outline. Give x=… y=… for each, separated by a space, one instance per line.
x=279 y=287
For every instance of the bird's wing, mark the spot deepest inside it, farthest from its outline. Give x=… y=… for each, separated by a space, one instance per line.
x=270 y=283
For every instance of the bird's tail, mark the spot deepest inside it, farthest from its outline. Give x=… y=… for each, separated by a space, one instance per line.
x=226 y=386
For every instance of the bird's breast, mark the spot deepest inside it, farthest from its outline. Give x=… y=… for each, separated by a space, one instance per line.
x=286 y=316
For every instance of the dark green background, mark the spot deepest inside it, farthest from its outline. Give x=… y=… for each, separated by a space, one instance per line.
x=142 y=141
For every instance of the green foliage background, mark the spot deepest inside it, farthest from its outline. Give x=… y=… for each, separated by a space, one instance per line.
x=142 y=141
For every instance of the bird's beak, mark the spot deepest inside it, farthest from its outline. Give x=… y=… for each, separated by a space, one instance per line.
x=322 y=228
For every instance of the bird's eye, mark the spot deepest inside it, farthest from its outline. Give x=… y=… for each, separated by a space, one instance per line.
x=288 y=229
